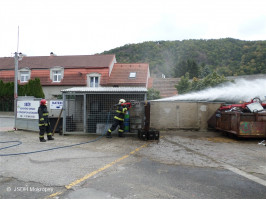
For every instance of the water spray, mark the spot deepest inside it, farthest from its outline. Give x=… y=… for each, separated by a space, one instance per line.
x=240 y=90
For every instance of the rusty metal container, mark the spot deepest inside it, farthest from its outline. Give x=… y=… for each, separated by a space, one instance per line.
x=244 y=125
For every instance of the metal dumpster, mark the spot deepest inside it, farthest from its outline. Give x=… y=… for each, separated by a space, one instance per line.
x=242 y=124
x=248 y=125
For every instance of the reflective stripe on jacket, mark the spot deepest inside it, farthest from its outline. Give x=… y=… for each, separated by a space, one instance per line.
x=120 y=113
x=43 y=115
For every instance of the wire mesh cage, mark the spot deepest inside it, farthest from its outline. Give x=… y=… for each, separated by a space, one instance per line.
x=94 y=112
x=74 y=109
x=101 y=109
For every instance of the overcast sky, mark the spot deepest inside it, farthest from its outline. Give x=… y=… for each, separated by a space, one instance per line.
x=82 y=27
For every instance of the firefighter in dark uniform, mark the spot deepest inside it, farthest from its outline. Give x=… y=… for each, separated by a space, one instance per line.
x=118 y=119
x=44 y=123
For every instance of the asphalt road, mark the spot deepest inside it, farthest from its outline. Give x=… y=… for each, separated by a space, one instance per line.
x=183 y=164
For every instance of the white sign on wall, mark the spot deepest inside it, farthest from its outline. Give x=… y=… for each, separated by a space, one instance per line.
x=56 y=104
x=28 y=109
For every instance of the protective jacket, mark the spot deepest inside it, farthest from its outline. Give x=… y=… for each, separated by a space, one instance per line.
x=43 y=115
x=120 y=112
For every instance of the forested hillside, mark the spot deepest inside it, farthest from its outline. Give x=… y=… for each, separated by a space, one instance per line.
x=174 y=58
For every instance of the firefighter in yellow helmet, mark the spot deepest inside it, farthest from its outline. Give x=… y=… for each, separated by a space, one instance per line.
x=119 y=119
x=44 y=123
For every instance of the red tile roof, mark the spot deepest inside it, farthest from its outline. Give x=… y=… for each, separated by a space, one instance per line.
x=166 y=86
x=120 y=75
x=44 y=62
x=7 y=76
x=150 y=82
x=76 y=69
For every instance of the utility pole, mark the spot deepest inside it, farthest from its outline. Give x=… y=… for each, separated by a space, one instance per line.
x=16 y=83
x=15 y=89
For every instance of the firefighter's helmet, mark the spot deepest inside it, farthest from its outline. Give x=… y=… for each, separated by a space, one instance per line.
x=43 y=102
x=121 y=101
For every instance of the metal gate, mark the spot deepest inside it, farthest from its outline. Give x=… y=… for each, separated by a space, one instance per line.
x=73 y=115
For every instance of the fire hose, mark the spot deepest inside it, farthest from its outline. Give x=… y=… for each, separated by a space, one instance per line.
x=17 y=143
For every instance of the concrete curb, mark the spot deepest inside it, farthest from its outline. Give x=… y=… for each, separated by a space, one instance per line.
x=7 y=115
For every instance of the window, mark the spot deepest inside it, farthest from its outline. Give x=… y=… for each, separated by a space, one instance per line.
x=56 y=74
x=93 y=80
x=132 y=75
x=24 y=76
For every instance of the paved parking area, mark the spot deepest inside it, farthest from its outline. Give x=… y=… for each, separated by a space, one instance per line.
x=183 y=164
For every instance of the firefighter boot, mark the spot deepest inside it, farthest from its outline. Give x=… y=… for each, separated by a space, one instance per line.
x=121 y=135
x=108 y=135
x=49 y=137
x=42 y=139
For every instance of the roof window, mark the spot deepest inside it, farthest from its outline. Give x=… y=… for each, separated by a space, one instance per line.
x=132 y=74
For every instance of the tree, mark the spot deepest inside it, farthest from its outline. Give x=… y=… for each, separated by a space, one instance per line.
x=195 y=84
x=32 y=88
x=192 y=68
x=226 y=56
x=213 y=80
x=189 y=66
x=36 y=89
x=204 y=70
x=7 y=96
x=184 y=85
x=153 y=94
x=2 y=85
x=180 y=69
